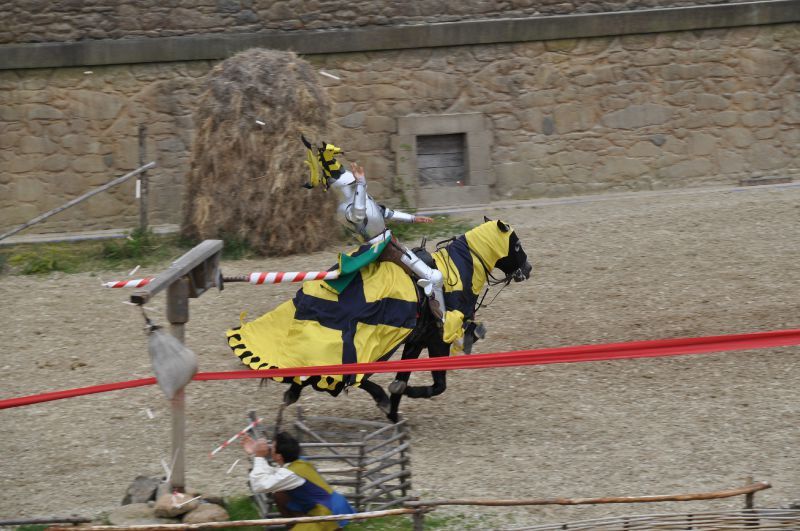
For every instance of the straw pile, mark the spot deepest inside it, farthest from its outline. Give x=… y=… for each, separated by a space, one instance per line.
x=247 y=169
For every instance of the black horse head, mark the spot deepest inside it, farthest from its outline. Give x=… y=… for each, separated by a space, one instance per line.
x=515 y=263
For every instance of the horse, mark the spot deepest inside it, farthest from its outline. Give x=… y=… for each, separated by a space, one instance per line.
x=380 y=309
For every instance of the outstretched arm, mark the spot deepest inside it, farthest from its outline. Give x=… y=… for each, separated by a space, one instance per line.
x=396 y=215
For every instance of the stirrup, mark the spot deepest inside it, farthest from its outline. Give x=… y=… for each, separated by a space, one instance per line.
x=436 y=309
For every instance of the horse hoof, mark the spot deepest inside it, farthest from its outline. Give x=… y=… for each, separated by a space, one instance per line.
x=397 y=387
x=385 y=406
x=394 y=417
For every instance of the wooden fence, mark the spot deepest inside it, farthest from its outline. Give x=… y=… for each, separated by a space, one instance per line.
x=366 y=461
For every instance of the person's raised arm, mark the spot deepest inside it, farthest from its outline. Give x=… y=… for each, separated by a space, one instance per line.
x=263 y=476
x=359 y=210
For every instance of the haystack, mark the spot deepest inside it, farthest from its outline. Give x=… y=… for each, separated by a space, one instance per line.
x=247 y=168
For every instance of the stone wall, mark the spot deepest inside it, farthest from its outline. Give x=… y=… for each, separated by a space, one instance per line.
x=564 y=117
x=66 y=131
x=582 y=116
x=28 y=21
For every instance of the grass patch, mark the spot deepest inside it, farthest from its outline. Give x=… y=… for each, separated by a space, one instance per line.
x=138 y=248
x=405 y=523
x=145 y=248
x=243 y=508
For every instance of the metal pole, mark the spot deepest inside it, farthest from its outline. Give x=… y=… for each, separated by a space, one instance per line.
x=178 y=316
x=143 y=206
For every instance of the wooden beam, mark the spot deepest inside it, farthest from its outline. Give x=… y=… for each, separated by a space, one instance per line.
x=206 y=251
x=747 y=489
x=268 y=522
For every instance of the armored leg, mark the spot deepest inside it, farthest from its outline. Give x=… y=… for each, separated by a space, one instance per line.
x=431 y=280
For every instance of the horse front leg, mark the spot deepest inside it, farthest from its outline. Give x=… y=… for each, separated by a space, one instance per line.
x=436 y=349
x=427 y=391
x=411 y=351
x=378 y=394
x=292 y=394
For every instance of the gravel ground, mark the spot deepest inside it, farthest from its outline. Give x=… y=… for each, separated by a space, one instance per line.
x=607 y=268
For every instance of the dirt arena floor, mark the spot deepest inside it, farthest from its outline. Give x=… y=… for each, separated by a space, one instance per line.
x=606 y=269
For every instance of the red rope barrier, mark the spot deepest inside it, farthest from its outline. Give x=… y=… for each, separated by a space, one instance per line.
x=582 y=353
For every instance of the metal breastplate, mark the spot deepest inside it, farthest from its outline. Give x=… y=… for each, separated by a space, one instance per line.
x=372 y=225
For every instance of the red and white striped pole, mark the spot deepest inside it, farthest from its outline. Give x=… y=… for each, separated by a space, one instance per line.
x=276 y=277
x=137 y=283
x=266 y=277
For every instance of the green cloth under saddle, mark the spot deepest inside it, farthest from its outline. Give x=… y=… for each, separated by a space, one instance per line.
x=351 y=263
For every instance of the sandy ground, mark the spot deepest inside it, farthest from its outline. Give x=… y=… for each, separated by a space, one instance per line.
x=610 y=268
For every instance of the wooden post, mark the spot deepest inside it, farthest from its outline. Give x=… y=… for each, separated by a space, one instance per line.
x=403 y=461
x=748 y=498
x=143 y=206
x=178 y=316
x=419 y=520
x=360 y=477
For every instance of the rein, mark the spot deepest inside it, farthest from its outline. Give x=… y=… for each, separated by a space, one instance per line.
x=491 y=280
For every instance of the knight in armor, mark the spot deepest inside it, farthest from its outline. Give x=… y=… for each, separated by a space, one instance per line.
x=366 y=219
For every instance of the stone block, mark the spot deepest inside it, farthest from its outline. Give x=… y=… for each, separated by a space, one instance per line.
x=725 y=118
x=761 y=62
x=617 y=168
x=126 y=154
x=141 y=490
x=674 y=145
x=353 y=120
x=507 y=122
x=171 y=505
x=651 y=57
x=644 y=149
x=206 y=512
x=712 y=102
x=9 y=139
x=136 y=514
x=36 y=144
x=531 y=151
x=29 y=189
x=378 y=124
x=21 y=164
x=512 y=175
x=739 y=136
x=55 y=163
x=731 y=162
x=573 y=117
x=758 y=118
x=561 y=45
x=80 y=144
x=637 y=116
x=765 y=156
x=89 y=163
x=37 y=111
x=701 y=144
x=765 y=133
x=687 y=169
